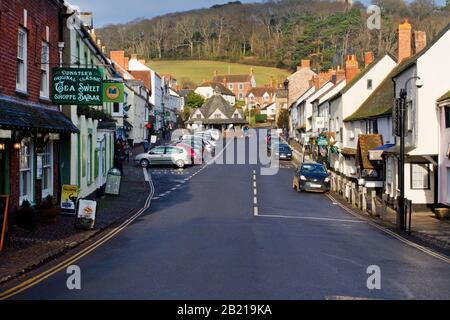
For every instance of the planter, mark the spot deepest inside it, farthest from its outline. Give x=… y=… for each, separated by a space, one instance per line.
x=442 y=213
x=49 y=214
x=26 y=218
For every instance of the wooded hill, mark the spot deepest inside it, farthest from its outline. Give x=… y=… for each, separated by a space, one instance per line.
x=274 y=33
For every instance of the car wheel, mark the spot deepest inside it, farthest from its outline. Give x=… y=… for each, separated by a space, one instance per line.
x=180 y=164
x=144 y=163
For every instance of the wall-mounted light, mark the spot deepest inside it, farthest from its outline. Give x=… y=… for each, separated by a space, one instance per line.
x=2 y=146
x=17 y=146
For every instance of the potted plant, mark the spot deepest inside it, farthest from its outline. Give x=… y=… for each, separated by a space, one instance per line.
x=48 y=209
x=26 y=216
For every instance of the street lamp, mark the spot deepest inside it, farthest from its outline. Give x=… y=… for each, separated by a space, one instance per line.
x=401 y=121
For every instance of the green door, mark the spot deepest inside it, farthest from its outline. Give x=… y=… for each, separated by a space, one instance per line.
x=4 y=171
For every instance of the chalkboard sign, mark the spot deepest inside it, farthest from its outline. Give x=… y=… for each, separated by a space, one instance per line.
x=113 y=182
x=4 y=201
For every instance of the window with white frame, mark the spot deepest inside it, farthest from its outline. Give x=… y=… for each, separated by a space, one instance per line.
x=21 y=76
x=409 y=116
x=26 y=155
x=47 y=169
x=420 y=176
x=389 y=172
x=45 y=78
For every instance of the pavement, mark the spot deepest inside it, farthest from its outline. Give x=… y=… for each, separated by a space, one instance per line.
x=227 y=232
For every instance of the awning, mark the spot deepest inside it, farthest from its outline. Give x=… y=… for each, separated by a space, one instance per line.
x=396 y=150
x=376 y=154
x=18 y=114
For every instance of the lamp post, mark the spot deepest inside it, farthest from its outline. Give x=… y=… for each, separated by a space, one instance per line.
x=401 y=212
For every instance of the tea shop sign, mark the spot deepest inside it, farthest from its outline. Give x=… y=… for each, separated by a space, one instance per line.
x=77 y=86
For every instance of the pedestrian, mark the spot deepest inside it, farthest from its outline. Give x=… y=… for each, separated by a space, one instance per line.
x=127 y=152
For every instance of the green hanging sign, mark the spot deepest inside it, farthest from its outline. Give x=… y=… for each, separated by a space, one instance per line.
x=322 y=142
x=77 y=86
x=113 y=92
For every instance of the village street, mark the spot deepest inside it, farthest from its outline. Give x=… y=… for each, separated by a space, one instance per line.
x=201 y=239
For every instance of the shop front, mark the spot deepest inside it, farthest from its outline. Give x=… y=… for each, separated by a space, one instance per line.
x=30 y=143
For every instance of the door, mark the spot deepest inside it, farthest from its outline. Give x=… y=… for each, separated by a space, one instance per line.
x=156 y=155
x=4 y=172
x=101 y=165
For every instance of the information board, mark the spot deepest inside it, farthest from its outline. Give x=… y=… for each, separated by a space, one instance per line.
x=87 y=210
x=113 y=182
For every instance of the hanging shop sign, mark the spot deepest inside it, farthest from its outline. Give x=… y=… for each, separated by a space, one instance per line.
x=81 y=86
x=86 y=214
x=69 y=196
x=322 y=141
x=113 y=92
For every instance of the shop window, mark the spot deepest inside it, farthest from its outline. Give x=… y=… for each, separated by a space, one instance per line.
x=26 y=170
x=45 y=169
x=420 y=176
x=21 y=76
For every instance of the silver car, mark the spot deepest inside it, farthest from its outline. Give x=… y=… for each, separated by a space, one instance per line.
x=164 y=155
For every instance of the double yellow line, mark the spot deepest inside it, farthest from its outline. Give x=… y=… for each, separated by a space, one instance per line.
x=63 y=265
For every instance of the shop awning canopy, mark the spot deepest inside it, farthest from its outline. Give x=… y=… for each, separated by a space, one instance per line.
x=17 y=114
x=376 y=154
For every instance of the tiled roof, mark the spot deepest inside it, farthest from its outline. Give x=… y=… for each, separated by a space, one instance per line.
x=261 y=91
x=217 y=102
x=20 y=114
x=348 y=151
x=367 y=142
x=233 y=78
x=217 y=86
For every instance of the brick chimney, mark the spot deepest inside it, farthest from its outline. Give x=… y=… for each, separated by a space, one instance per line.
x=304 y=64
x=420 y=40
x=225 y=81
x=126 y=61
x=368 y=58
x=351 y=67
x=134 y=56
x=118 y=57
x=315 y=81
x=404 y=40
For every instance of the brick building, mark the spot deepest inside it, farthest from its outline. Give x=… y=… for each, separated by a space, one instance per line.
x=239 y=84
x=31 y=128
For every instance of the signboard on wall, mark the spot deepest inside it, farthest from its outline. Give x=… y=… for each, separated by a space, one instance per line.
x=113 y=180
x=77 y=86
x=113 y=92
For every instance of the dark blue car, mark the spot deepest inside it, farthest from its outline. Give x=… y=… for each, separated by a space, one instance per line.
x=311 y=177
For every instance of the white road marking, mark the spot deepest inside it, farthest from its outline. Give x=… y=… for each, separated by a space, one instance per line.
x=255 y=211
x=255 y=200
x=254 y=184
x=310 y=218
x=393 y=234
x=255 y=192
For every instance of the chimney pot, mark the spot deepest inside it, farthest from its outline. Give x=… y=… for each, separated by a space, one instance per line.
x=134 y=56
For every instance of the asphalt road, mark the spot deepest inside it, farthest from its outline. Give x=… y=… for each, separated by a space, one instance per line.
x=200 y=239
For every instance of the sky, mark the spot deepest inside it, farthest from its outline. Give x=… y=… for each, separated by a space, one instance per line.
x=115 y=11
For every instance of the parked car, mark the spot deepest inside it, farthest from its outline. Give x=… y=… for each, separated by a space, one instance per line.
x=195 y=157
x=284 y=152
x=311 y=177
x=164 y=155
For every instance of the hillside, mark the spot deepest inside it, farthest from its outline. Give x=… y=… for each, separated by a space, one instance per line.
x=274 y=33
x=197 y=71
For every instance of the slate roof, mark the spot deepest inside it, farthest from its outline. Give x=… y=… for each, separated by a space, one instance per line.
x=233 y=78
x=218 y=86
x=348 y=151
x=217 y=102
x=16 y=114
x=367 y=142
